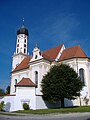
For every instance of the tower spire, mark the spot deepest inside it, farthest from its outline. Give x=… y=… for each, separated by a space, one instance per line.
x=21 y=45
x=23 y=22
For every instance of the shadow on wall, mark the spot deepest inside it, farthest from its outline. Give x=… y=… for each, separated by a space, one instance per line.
x=1 y=97
x=88 y=119
x=67 y=103
x=53 y=105
x=7 y=106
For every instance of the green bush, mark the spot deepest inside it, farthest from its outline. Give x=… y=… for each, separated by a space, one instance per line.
x=1 y=106
x=25 y=106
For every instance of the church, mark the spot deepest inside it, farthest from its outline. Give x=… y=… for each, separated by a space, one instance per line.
x=27 y=73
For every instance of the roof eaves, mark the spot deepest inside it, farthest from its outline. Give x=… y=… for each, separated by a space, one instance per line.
x=19 y=70
x=26 y=85
x=71 y=58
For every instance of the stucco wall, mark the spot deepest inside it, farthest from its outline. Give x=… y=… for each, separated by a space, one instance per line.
x=41 y=104
x=9 y=103
x=26 y=95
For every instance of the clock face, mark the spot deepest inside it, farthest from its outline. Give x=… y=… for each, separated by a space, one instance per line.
x=22 y=36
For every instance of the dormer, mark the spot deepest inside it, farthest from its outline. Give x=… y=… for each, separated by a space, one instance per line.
x=36 y=54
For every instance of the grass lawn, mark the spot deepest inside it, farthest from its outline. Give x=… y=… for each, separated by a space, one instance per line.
x=59 y=110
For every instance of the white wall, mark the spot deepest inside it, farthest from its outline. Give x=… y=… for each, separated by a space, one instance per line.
x=26 y=94
x=18 y=75
x=9 y=103
x=42 y=68
x=41 y=104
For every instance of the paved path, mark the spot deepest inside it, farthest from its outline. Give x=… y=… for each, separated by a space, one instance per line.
x=71 y=116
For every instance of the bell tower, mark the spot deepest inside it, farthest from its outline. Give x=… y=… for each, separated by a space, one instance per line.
x=21 y=46
x=22 y=40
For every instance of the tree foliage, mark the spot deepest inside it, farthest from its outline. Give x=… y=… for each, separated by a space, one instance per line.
x=1 y=106
x=25 y=106
x=2 y=92
x=61 y=82
x=8 y=90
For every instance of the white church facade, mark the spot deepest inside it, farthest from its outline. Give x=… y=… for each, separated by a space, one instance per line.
x=28 y=71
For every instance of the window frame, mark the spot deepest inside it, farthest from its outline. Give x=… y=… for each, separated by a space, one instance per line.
x=36 y=78
x=82 y=74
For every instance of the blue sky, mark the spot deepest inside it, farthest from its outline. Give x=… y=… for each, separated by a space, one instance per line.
x=50 y=23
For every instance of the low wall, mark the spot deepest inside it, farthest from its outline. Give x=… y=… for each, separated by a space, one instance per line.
x=9 y=102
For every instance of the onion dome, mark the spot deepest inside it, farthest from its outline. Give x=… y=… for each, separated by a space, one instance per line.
x=22 y=30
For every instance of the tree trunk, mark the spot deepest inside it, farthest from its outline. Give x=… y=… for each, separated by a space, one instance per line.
x=62 y=102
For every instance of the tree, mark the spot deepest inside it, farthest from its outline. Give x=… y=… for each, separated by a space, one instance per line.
x=2 y=106
x=2 y=92
x=61 y=82
x=8 y=90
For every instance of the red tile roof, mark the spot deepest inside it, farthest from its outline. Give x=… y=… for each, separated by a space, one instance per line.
x=48 y=54
x=25 y=82
x=23 y=64
x=73 y=52
x=51 y=54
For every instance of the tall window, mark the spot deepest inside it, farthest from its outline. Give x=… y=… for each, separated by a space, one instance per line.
x=36 y=57
x=17 y=45
x=36 y=77
x=17 y=50
x=24 y=50
x=15 y=81
x=18 y=40
x=25 y=40
x=15 y=84
x=24 y=45
x=81 y=74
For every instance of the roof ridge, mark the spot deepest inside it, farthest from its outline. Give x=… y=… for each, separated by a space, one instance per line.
x=72 y=47
x=52 y=48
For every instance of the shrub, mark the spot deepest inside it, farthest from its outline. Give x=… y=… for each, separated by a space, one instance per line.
x=1 y=106
x=25 y=106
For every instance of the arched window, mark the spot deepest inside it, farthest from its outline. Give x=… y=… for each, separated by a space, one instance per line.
x=17 y=45
x=17 y=50
x=81 y=74
x=25 y=40
x=36 y=57
x=18 y=40
x=15 y=81
x=24 y=50
x=36 y=78
x=24 y=45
